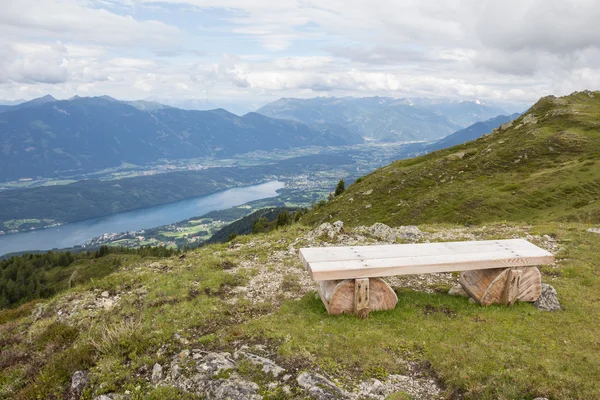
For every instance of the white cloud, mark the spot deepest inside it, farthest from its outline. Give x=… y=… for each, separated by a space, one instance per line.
x=41 y=64
x=510 y=50
x=76 y=21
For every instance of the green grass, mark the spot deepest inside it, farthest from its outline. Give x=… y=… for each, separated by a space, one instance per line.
x=481 y=352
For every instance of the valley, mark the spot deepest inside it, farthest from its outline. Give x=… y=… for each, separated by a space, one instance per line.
x=306 y=180
x=309 y=174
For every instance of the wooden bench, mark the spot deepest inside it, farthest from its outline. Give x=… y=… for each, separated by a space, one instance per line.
x=494 y=271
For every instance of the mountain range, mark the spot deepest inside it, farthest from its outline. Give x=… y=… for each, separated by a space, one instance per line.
x=49 y=137
x=385 y=119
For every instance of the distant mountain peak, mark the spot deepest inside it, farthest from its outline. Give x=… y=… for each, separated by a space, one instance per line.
x=41 y=100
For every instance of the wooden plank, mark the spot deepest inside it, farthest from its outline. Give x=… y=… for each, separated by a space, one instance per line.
x=511 y=290
x=352 y=269
x=324 y=254
x=361 y=297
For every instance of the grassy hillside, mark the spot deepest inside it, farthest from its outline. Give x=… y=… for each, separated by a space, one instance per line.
x=544 y=166
x=254 y=292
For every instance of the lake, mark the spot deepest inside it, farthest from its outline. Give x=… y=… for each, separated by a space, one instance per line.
x=78 y=233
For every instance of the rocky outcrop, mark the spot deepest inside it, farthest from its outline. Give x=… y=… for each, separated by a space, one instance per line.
x=326 y=230
x=267 y=366
x=221 y=375
x=320 y=388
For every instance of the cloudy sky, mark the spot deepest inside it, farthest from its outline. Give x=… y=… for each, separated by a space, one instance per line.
x=245 y=53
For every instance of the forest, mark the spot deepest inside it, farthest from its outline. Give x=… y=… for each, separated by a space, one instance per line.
x=34 y=276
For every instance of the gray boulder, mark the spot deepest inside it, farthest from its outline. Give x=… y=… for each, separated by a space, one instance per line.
x=458 y=290
x=320 y=388
x=326 y=230
x=213 y=363
x=79 y=382
x=382 y=232
x=548 y=300
x=234 y=388
x=109 y=396
x=157 y=373
x=267 y=366
x=409 y=232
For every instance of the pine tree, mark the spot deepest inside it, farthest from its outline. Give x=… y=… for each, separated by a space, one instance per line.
x=341 y=186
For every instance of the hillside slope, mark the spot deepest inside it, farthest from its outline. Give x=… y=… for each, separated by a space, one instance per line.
x=543 y=166
x=240 y=321
x=45 y=137
x=471 y=132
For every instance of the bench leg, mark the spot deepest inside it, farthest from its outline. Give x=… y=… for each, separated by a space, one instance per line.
x=361 y=297
x=339 y=296
x=502 y=285
x=511 y=288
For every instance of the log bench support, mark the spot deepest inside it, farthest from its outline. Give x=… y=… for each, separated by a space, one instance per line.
x=502 y=285
x=356 y=296
x=493 y=271
x=361 y=297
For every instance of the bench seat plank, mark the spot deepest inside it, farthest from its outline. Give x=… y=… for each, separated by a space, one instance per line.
x=328 y=263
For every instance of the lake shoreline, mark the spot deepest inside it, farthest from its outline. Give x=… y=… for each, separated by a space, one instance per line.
x=12 y=243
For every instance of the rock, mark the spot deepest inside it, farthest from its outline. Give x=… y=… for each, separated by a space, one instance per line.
x=594 y=230
x=109 y=396
x=320 y=388
x=234 y=388
x=79 y=382
x=409 y=232
x=37 y=313
x=105 y=294
x=325 y=229
x=529 y=119
x=157 y=373
x=373 y=388
x=541 y=398
x=181 y=339
x=286 y=377
x=213 y=363
x=338 y=225
x=458 y=290
x=108 y=304
x=548 y=300
x=368 y=192
x=382 y=232
x=267 y=366
x=175 y=371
